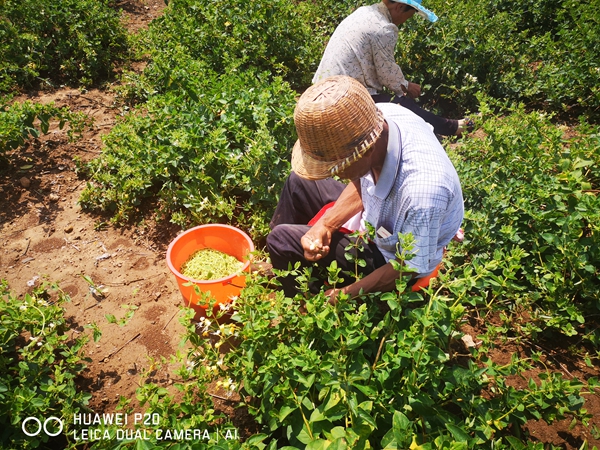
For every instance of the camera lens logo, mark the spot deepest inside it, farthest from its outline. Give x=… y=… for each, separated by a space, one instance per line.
x=53 y=421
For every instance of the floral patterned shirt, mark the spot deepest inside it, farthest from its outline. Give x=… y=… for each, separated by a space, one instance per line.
x=362 y=47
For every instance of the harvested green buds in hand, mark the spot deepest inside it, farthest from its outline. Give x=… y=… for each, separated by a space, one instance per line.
x=209 y=264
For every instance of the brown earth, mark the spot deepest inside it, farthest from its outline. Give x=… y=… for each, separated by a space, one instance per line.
x=44 y=234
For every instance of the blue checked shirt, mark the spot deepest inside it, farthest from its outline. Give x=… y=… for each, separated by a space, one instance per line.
x=418 y=191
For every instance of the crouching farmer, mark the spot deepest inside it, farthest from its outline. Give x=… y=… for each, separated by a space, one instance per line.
x=400 y=180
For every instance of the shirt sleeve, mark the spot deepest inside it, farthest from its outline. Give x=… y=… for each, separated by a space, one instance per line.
x=389 y=73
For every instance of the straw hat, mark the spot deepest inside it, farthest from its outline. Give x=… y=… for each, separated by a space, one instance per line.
x=337 y=122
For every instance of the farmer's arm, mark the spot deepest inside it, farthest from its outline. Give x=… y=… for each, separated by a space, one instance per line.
x=316 y=241
x=388 y=71
x=424 y=224
x=382 y=279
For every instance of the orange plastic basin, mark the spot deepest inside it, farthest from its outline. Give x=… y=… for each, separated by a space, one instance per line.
x=224 y=238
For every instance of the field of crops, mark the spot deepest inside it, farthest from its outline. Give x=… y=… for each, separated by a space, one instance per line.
x=503 y=347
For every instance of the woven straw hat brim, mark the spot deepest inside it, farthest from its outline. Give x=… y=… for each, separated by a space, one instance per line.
x=313 y=169
x=337 y=123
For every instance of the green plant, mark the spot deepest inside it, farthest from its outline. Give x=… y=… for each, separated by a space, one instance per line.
x=372 y=372
x=532 y=205
x=21 y=121
x=215 y=149
x=75 y=41
x=508 y=51
x=130 y=311
x=182 y=416
x=39 y=363
x=97 y=291
x=231 y=37
x=96 y=332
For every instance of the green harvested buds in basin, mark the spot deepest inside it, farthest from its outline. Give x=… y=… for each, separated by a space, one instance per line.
x=209 y=264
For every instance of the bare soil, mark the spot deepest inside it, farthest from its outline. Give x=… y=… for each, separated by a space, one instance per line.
x=44 y=234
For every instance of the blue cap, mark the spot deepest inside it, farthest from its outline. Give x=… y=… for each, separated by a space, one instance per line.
x=423 y=12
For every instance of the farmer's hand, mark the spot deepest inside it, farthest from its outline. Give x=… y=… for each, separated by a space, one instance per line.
x=413 y=90
x=333 y=295
x=316 y=242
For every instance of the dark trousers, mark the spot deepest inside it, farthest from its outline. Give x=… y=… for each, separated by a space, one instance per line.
x=299 y=202
x=441 y=125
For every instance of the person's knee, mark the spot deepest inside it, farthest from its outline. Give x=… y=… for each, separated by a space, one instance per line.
x=283 y=244
x=276 y=238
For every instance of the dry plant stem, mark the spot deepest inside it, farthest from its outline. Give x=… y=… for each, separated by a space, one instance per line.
x=378 y=355
x=72 y=245
x=169 y=321
x=27 y=248
x=222 y=398
x=123 y=346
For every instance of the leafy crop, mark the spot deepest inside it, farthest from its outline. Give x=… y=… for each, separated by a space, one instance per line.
x=21 y=121
x=209 y=140
x=379 y=371
x=70 y=41
x=231 y=36
x=38 y=364
x=215 y=149
x=509 y=50
x=532 y=220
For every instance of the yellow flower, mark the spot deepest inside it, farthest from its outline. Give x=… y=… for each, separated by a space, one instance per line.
x=414 y=445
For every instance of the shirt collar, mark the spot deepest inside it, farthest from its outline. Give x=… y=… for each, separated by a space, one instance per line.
x=391 y=164
x=384 y=10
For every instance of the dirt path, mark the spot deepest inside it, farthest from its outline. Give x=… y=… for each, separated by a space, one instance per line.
x=45 y=235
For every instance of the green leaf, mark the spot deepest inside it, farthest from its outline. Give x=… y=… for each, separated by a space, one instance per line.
x=257 y=438
x=515 y=443
x=317 y=416
x=37 y=402
x=337 y=433
x=141 y=444
x=333 y=400
x=458 y=433
x=402 y=428
x=338 y=444
x=584 y=163
x=319 y=444
x=308 y=404
x=286 y=411
x=304 y=436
